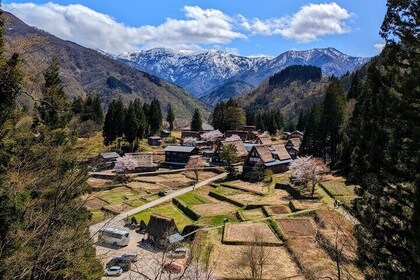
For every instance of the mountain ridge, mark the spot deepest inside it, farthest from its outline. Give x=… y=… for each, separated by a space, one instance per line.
x=201 y=73
x=85 y=70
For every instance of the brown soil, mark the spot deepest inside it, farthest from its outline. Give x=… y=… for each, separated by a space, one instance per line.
x=213 y=209
x=226 y=260
x=299 y=227
x=280 y=209
x=95 y=203
x=244 y=232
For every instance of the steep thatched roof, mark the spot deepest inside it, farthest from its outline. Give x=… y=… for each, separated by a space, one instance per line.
x=241 y=151
x=161 y=227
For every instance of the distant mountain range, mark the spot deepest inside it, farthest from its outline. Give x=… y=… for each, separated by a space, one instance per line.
x=85 y=71
x=203 y=73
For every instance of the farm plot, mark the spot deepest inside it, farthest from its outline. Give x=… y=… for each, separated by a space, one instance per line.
x=175 y=181
x=334 y=228
x=249 y=233
x=228 y=263
x=147 y=187
x=257 y=187
x=253 y=214
x=169 y=210
x=213 y=209
x=276 y=197
x=96 y=183
x=277 y=210
x=297 y=228
x=202 y=175
x=118 y=195
x=313 y=260
x=94 y=203
x=305 y=204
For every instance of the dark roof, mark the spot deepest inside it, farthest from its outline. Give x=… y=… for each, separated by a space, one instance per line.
x=166 y=131
x=278 y=162
x=155 y=137
x=110 y=155
x=161 y=226
x=182 y=149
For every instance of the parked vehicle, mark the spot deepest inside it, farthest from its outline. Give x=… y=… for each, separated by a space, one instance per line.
x=114 y=236
x=113 y=271
x=178 y=253
x=173 y=267
x=131 y=256
x=125 y=264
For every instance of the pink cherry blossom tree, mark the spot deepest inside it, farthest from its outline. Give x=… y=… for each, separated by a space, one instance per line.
x=234 y=137
x=211 y=136
x=125 y=163
x=309 y=170
x=189 y=141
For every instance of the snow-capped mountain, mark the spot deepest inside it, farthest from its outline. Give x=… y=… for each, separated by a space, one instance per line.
x=203 y=72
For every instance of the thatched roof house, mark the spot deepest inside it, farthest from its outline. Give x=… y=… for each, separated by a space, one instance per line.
x=273 y=157
x=241 y=150
x=160 y=228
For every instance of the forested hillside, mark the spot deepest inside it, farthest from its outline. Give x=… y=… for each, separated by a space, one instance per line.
x=88 y=71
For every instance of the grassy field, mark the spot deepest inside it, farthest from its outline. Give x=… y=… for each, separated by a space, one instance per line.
x=193 y=198
x=169 y=210
x=118 y=195
x=92 y=147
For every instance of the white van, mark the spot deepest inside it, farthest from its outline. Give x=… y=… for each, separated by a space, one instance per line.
x=114 y=236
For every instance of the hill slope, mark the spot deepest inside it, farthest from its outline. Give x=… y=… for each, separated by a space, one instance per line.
x=85 y=70
x=202 y=73
x=226 y=91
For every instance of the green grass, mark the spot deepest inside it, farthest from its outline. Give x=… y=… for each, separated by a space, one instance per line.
x=116 y=197
x=168 y=210
x=193 y=198
x=97 y=216
x=253 y=214
x=136 y=202
x=338 y=188
x=226 y=191
x=216 y=220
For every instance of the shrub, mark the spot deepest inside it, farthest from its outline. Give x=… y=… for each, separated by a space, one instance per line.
x=253 y=176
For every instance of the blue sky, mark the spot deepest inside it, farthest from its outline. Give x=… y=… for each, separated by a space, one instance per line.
x=245 y=27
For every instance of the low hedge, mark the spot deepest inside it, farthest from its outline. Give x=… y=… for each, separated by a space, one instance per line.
x=184 y=208
x=227 y=199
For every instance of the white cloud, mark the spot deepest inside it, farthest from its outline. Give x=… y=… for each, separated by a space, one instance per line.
x=308 y=24
x=379 y=47
x=89 y=28
x=201 y=28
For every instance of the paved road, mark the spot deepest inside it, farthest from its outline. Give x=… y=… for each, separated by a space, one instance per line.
x=116 y=220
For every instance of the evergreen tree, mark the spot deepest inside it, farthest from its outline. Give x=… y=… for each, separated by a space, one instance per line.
x=219 y=117
x=53 y=109
x=77 y=105
x=333 y=108
x=131 y=128
x=98 y=112
x=87 y=109
x=196 y=123
x=301 y=121
x=119 y=117
x=355 y=86
x=312 y=142
x=155 y=116
x=170 y=117
x=141 y=118
x=109 y=130
x=385 y=156
x=146 y=109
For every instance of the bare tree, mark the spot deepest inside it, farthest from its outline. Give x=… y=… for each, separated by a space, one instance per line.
x=195 y=165
x=309 y=170
x=255 y=257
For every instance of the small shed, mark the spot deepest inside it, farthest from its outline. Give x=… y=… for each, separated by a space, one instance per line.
x=154 y=140
x=160 y=228
x=107 y=160
x=165 y=133
x=179 y=155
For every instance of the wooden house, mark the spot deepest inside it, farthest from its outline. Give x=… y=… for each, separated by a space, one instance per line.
x=273 y=157
x=294 y=134
x=292 y=147
x=160 y=228
x=264 y=140
x=107 y=160
x=241 y=151
x=165 y=133
x=179 y=155
x=154 y=140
